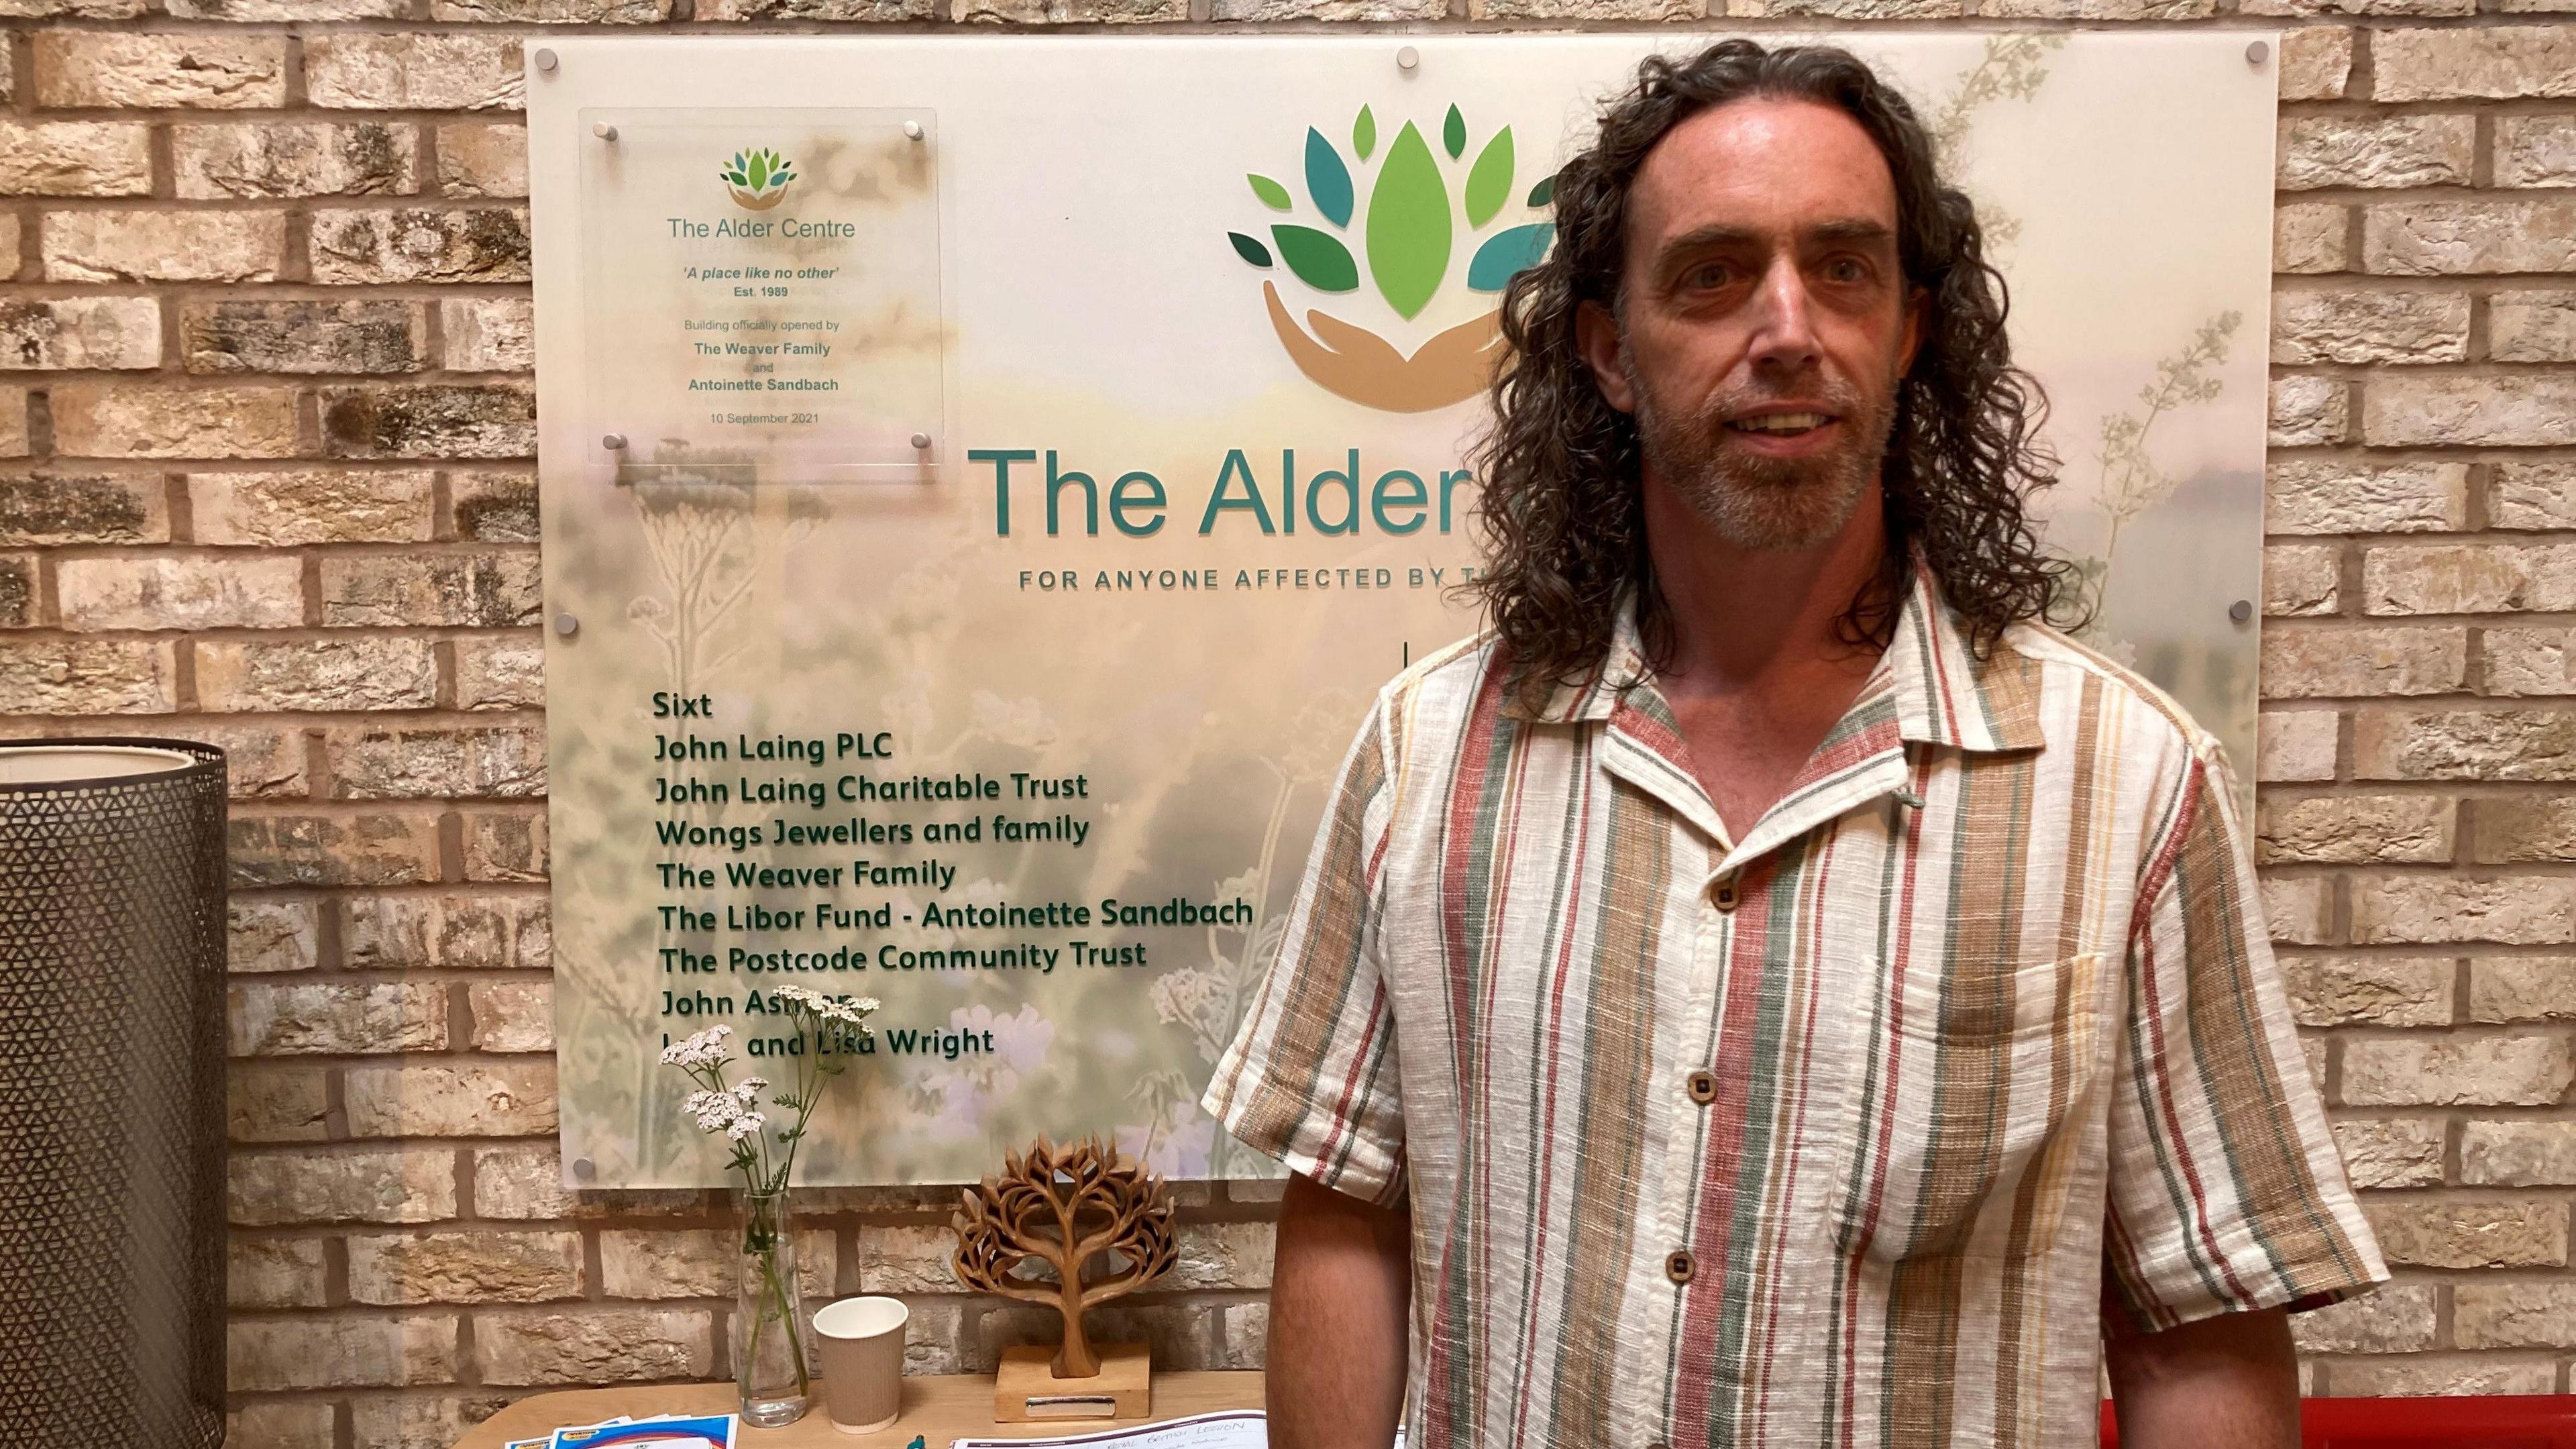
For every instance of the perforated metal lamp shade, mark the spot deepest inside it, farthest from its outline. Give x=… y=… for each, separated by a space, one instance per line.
x=111 y=1094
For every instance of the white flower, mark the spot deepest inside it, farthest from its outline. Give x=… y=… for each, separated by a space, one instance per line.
x=748 y=1090
x=706 y=1049
x=744 y=1125
x=849 y=1011
x=802 y=996
x=714 y=1110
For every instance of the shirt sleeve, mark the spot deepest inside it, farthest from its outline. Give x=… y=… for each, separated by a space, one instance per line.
x=1311 y=1076
x=2226 y=1192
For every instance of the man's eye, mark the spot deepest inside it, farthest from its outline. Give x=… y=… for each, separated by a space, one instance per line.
x=1706 y=275
x=1846 y=269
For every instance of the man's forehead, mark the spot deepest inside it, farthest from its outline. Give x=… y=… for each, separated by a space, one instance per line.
x=1761 y=167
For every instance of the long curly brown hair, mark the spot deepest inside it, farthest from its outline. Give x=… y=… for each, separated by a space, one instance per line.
x=1561 y=515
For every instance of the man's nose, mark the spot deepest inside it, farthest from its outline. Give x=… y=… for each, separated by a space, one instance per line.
x=1784 y=335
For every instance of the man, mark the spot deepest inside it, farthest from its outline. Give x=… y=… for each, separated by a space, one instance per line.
x=1771 y=989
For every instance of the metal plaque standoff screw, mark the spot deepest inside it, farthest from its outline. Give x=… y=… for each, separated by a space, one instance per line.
x=912 y=129
x=921 y=442
x=566 y=625
x=612 y=441
x=582 y=1169
x=2241 y=610
x=1408 y=58
x=604 y=131
x=546 y=61
x=2257 y=53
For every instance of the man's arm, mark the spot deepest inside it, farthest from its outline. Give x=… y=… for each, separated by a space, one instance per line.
x=1339 y=1294
x=2226 y=1382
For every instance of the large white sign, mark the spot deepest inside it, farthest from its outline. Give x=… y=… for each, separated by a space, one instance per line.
x=989 y=476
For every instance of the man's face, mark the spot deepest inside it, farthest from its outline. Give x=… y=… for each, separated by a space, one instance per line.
x=1763 y=323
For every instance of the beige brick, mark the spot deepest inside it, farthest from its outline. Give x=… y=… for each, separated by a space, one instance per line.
x=219 y=336
x=252 y=12
x=480 y=591
x=37 y=509
x=2520 y=828
x=277 y=510
x=670 y=1263
x=512 y=1016
x=264 y=761
x=2533 y=496
x=505 y=847
x=2469 y=1233
x=2397 y=1318
x=2357 y=7
x=75 y=158
x=88 y=676
x=333 y=850
x=180 y=593
x=411 y=71
x=482 y=1266
x=269 y=1102
x=2436 y=238
x=281 y=1423
x=267 y=934
x=2501 y=744
x=1681 y=11
x=2535 y=150
x=2532 y=327
x=421 y=244
x=2302 y=662
x=101 y=69
x=2313 y=496
x=906 y=1258
x=164 y=246
x=2522 y=988
x=2369 y=990
x=2392 y=151
x=418 y=1420
x=2310 y=237
x=2499 y=64
x=2296 y=909
x=2518 y=410
x=316 y=674
x=520 y=1183
x=426 y=1099
x=553 y=12
x=18 y=590
x=274 y=1273
x=1069 y=12
x=489 y=334
x=2512 y=910
x=341 y=1352
x=2381 y=1152
x=13 y=422
x=320 y=158
x=500 y=673
x=1223 y=1255
x=2292 y=745
x=2529 y=662
x=337 y=1018
x=2525 y=1069
x=80 y=332
x=2430 y=1375
x=2316 y=63
x=495 y=507
x=2356 y=829
x=1337 y=12
x=446 y=933
x=380 y=764
x=273 y=1187
x=484 y=161
x=2513 y=1315
x=2301 y=579
x=118 y=420
x=2467 y=578
x=613 y=1345
x=2518 y=1152
x=2309 y=412
x=490 y=420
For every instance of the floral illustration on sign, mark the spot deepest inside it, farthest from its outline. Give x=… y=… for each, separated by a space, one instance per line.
x=758 y=179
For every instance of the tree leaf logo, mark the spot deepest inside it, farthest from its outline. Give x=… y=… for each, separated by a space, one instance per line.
x=757 y=179
x=1424 y=207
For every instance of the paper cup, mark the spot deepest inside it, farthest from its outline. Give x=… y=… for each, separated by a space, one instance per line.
x=861 y=1343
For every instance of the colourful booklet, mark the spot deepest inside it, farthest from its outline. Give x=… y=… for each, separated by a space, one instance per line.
x=668 y=1431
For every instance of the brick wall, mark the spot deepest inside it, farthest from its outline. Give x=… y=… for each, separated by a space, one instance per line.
x=269 y=429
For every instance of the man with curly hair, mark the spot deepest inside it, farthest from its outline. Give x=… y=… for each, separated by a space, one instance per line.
x=1770 y=988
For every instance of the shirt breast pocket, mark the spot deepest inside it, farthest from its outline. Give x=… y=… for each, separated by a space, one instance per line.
x=1967 y=1103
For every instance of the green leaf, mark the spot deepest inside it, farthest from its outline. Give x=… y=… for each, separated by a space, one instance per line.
x=1364 y=133
x=1408 y=224
x=1453 y=134
x=1248 y=249
x=1543 y=193
x=1508 y=253
x=759 y=170
x=1328 y=181
x=1272 y=194
x=1489 y=181
x=1319 y=261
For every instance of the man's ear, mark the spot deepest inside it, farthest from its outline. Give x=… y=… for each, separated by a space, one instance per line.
x=1596 y=332
x=1918 y=313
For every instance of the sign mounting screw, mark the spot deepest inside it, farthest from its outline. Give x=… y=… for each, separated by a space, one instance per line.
x=612 y=441
x=566 y=625
x=1408 y=59
x=2241 y=610
x=604 y=131
x=921 y=442
x=546 y=61
x=912 y=129
x=2257 y=53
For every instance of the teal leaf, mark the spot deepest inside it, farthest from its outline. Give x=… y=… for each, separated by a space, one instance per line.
x=1543 y=193
x=1409 y=224
x=1453 y=134
x=1508 y=253
x=1319 y=261
x=1248 y=249
x=1364 y=133
x=1489 y=181
x=1328 y=181
x=1272 y=194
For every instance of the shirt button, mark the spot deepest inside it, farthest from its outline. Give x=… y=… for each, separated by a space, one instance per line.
x=1680 y=1266
x=1723 y=893
x=1702 y=1087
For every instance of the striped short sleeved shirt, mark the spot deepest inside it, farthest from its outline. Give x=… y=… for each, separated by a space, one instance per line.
x=1844 y=1133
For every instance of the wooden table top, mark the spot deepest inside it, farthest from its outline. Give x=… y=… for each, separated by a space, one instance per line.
x=938 y=1408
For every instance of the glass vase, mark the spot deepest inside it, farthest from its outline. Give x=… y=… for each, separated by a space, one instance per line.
x=769 y=1354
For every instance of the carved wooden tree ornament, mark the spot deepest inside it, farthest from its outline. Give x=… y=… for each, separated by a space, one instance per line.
x=1064 y=1207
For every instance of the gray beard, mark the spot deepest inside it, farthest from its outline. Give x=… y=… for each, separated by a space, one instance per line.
x=1753 y=502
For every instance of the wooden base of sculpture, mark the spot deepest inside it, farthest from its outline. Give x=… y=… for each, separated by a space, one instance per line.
x=1027 y=1389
